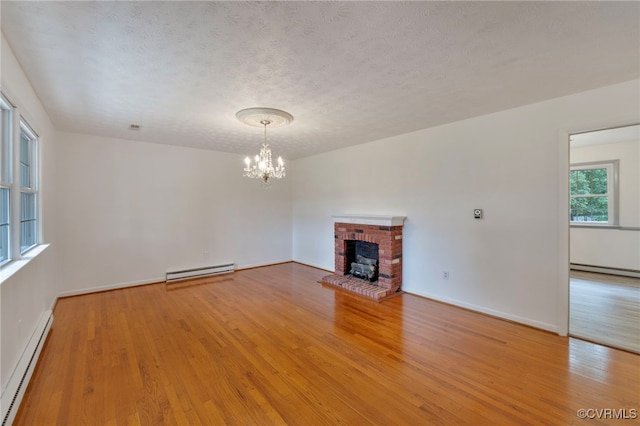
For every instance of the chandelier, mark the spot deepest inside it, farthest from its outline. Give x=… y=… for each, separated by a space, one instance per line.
x=262 y=167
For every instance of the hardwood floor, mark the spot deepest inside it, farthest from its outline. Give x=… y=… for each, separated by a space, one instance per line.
x=272 y=346
x=605 y=309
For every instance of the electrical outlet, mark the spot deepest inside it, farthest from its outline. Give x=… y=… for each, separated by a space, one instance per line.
x=445 y=275
x=205 y=254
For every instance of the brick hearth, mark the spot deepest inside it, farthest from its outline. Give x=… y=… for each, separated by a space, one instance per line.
x=386 y=231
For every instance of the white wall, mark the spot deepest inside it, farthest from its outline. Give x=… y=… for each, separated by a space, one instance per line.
x=513 y=164
x=30 y=291
x=128 y=211
x=613 y=248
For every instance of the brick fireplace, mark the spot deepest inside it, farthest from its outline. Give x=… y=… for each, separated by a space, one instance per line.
x=383 y=231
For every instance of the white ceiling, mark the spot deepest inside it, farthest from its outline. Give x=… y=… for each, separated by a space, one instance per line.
x=606 y=136
x=349 y=72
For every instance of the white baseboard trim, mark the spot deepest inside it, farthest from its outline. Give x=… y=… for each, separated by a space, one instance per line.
x=19 y=379
x=498 y=314
x=110 y=287
x=606 y=270
x=261 y=264
x=314 y=265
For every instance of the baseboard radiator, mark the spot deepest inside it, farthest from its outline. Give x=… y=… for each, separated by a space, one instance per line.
x=17 y=384
x=606 y=270
x=185 y=274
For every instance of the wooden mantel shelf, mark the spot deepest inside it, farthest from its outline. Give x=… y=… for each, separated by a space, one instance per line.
x=380 y=220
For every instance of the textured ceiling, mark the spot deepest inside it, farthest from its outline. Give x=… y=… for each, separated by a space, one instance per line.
x=349 y=72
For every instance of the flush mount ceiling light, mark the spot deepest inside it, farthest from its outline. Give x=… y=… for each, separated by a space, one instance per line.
x=262 y=167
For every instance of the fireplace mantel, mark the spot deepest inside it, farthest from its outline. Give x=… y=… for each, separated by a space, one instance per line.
x=379 y=220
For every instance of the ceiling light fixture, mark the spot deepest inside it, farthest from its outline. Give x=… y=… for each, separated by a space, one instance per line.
x=262 y=167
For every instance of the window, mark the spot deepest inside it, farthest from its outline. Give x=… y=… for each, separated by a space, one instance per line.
x=4 y=224
x=5 y=178
x=28 y=193
x=18 y=184
x=593 y=189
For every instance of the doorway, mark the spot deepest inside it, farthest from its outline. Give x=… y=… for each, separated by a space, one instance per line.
x=604 y=237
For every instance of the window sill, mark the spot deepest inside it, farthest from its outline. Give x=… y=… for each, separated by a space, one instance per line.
x=615 y=227
x=593 y=226
x=14 y=266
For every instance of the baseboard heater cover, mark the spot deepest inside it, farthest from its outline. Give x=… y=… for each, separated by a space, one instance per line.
x=17 y=384
x=606 y=270
x=204 y=271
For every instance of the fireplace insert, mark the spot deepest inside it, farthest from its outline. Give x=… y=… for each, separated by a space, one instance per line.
x=362 y=259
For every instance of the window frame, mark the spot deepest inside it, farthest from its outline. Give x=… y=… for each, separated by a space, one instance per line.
x=33 y=180
x=6 y=166
x=12 y=126
x=612 y=167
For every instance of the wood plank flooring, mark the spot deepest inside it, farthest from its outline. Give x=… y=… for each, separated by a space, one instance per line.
x=605 y=309
x=271 y=346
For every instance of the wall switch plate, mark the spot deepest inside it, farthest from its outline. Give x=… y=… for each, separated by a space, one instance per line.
x=477 y=213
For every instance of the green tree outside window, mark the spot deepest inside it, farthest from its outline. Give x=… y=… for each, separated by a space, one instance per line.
x=589 y=199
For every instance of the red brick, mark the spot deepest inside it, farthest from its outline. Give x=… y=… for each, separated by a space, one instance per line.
x=388 y=250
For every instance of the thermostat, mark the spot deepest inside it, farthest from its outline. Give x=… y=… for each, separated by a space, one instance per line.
x=477 y=214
